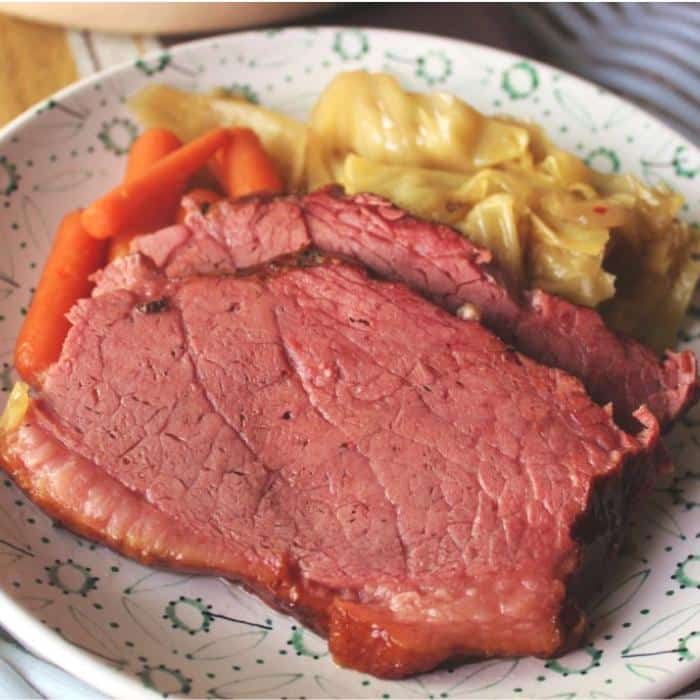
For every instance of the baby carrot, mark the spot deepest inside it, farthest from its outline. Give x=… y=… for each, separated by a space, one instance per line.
x=74 y=256
x=245 y=168
x=216 y=167
x=199 y=196
x=153 y=145
x=148 y=149
x=128 y=205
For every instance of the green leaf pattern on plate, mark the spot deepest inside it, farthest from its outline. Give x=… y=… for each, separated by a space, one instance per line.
x=257 y=686
x=647 y=672
x=662 y=629
x=620 y=595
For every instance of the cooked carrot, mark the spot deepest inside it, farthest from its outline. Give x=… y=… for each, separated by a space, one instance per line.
x=130 y=205
x=244 y=167
x=152 y=146
x=216 y=167
x=149 y=148
x=199 y=196
x=75 y=255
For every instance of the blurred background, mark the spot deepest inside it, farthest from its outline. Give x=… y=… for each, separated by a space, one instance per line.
x=647 y=52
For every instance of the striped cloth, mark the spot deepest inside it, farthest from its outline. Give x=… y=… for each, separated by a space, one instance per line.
x=647 y=52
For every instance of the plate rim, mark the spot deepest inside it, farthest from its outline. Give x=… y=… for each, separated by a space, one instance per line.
x=47 y=644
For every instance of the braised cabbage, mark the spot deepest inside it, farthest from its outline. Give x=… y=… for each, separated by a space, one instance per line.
x=370 y=115
x=529 y=228
x=15 y=409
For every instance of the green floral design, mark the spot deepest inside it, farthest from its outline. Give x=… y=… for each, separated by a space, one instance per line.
x=683 y=165
x=434 y=67
x=520 y=80
x=118 y=135
x=168 y=681
x=684 y=649
x=303 y=648
x=71 y=578
x=604 y=160
x=683 y=577
x=9 y=180
x=559 y=666
x=351 y=44
x=150 y=68
x=189 y=615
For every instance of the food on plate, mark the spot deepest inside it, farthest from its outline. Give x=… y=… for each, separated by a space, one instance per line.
x=200 y=198
x=604 y=241
x=389 y=125
x=244 y=167
x=74 y=256
x=453 y=271
x=291 y=374
x=361 y=413
x=449 y=270
x=550 y=220
x=353 y=453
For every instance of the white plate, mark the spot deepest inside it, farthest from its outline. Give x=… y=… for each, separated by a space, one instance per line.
x=125 y=628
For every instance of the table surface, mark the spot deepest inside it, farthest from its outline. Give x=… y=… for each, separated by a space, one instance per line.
x=66 y=56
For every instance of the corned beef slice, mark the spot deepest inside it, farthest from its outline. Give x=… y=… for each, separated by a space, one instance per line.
x=390 y=474
x=452 y=271
x=229 y=237
x=447 y=267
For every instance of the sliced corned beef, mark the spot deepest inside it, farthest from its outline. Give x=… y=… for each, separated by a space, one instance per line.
x=387 y=472
x=449 y=269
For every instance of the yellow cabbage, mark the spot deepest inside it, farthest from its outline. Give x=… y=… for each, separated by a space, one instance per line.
x=534 y=232
x=370 y=115
x=15 y=409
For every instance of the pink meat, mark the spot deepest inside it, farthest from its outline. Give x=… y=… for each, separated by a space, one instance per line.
x=350 y=451
x=448 y=268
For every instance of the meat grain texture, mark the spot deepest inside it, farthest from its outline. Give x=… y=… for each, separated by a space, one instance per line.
x=396 y=477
